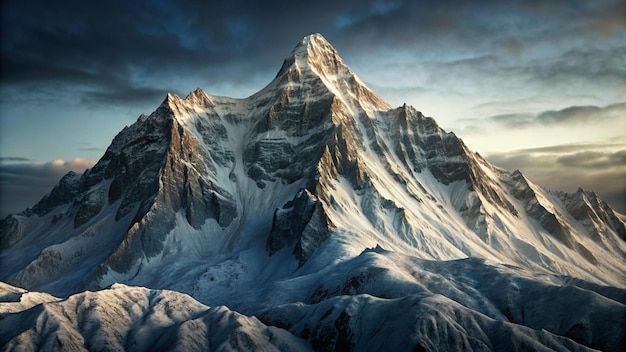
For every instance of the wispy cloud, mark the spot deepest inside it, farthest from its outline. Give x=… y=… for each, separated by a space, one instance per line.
x=9 y=159
x=579 y=63
x=582 y=114
x=612 y=144
x=593 y=159
x=91 y=149
x=573 y=115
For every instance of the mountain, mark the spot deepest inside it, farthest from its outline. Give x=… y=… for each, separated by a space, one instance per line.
x=320 y=209
x=132 y=318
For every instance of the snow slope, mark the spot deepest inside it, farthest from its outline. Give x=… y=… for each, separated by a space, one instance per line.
x=268 y=205
x=379 y=300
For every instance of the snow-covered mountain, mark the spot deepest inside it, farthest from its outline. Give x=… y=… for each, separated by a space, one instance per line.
x=320 y=209
x=133 y=318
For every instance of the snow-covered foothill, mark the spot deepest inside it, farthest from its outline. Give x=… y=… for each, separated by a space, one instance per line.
x=137 y=319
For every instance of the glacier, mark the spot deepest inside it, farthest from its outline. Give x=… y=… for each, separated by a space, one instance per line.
x=310 y=215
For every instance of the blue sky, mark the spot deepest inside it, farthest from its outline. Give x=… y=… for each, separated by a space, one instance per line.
x=534 y=85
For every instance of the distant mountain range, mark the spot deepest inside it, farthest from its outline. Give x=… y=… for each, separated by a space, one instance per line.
x=310 y=215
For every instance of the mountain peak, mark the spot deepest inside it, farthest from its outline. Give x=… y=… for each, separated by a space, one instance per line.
x=314 y=52
x=315 y=41
x=199 y=98
x=315 y=59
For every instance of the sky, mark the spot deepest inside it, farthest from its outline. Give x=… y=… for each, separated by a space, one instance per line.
x=533 y=85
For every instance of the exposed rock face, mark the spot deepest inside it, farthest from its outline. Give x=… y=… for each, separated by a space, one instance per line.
x=301 y=221
x=523 y=191
x=11 y=231
x=65 y=191
x=593 y=213
x=89 y=205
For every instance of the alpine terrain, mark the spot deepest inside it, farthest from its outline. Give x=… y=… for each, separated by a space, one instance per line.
x=311 y=215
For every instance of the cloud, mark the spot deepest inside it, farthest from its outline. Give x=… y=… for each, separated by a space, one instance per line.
x=486 y=26
x=9 y=159
x=375 y=9
x=124 y=94
x=614 y=143
x=593 y=159
x=24 y=184
x=54 y=168
x=579 y=64
x=111 y=51
x=602 y=18
x=91 y=149
x=576 y=114
x=573 y=115
x=597 y=167
x=91 y=43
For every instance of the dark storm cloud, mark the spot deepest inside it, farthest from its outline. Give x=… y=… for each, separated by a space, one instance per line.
x=100 y=43
x=18 y=69
x=114 y=35
x=99 y=46
x=118 y=48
